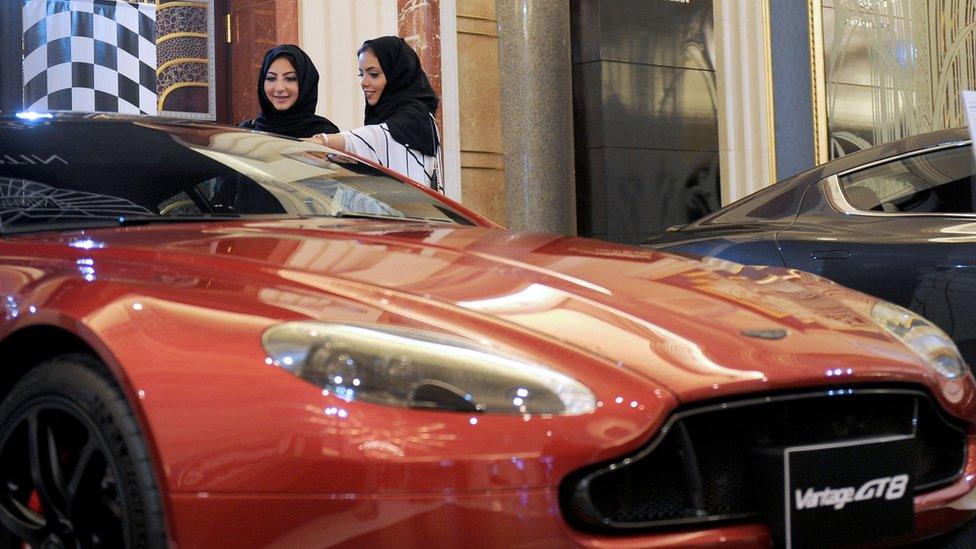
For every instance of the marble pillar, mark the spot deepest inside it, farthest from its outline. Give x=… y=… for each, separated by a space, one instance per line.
x=419 y=23
x=792 y=66
x=537 y=114
x=286 y=21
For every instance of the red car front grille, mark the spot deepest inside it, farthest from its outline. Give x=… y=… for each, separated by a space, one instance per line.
x=701 y=467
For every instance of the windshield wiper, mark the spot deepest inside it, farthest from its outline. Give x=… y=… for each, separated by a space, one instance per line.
x=363 y=215
x=130 y=221
x=121 y=221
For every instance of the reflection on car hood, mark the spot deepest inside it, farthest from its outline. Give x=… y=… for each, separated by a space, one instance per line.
x=699 y=328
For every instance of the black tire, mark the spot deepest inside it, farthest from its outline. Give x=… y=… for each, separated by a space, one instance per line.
x=74 y=470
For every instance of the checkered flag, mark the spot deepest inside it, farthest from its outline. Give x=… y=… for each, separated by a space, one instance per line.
x=89 y=56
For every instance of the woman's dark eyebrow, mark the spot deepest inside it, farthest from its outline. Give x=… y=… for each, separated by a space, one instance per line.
x=286 y=74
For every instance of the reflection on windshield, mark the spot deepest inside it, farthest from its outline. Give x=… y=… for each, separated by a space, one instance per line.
x=312 y=182
x=190 y=171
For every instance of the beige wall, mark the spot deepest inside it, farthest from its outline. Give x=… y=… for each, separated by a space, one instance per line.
x=331 y=32
x=482 y=162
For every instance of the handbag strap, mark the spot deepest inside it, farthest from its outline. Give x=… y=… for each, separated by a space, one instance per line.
x=435 y=179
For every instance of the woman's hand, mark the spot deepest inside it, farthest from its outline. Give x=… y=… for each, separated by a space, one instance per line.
x=320 y=138
x=331 y=140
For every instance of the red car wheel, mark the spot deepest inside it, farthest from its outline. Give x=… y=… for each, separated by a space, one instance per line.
x=74 y=471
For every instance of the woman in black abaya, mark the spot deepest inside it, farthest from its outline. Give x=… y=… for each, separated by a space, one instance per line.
x=399 y=130
x=288 y=94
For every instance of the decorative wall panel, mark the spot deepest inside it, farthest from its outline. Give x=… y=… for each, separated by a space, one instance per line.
x=894 y=68
x=185 y=81
x=135 y=57
x=89 y=56
x=645 y=116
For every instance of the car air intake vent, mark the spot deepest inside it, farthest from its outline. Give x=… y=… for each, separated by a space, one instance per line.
x=700 y=468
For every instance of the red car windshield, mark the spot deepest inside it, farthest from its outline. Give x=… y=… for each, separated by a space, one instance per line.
x=87 y=173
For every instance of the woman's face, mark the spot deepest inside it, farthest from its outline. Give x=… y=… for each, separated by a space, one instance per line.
x=371 y=77
x=281 y=84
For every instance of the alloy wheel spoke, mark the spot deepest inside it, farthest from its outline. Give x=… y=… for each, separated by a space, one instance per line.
x=21 y=521
x=54 y=464
x=81 y=468
x=40 y=466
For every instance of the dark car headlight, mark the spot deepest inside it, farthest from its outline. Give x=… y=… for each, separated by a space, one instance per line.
x=921 y=336
x=420 y=369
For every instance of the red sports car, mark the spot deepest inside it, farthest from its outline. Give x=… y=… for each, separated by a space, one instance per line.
x=212 y=337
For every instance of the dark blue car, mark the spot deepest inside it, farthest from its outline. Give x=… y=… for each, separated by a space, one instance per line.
x=897 y=221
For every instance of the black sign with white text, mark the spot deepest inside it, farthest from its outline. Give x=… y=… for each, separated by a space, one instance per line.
x=843 y=493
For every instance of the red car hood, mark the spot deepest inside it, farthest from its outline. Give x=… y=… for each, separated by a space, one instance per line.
x=698 y=329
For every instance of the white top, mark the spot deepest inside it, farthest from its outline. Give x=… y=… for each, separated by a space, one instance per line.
x=375 y=143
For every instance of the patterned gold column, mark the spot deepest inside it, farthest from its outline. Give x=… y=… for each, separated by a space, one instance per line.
x=537 y=114
x=182 y=60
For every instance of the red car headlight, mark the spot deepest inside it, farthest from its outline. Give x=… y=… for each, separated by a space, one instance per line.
x=419 y=369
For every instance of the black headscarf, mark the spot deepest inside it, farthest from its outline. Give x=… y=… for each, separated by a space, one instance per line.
x=300 y=119
x=407 y=101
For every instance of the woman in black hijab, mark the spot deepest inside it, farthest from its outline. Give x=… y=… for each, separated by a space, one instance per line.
x=288 y=93
x=399 y=130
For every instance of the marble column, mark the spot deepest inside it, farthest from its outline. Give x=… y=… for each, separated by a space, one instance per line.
x=537 y=114
x=419 y=23
x=286 y=21
x=792 y=66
